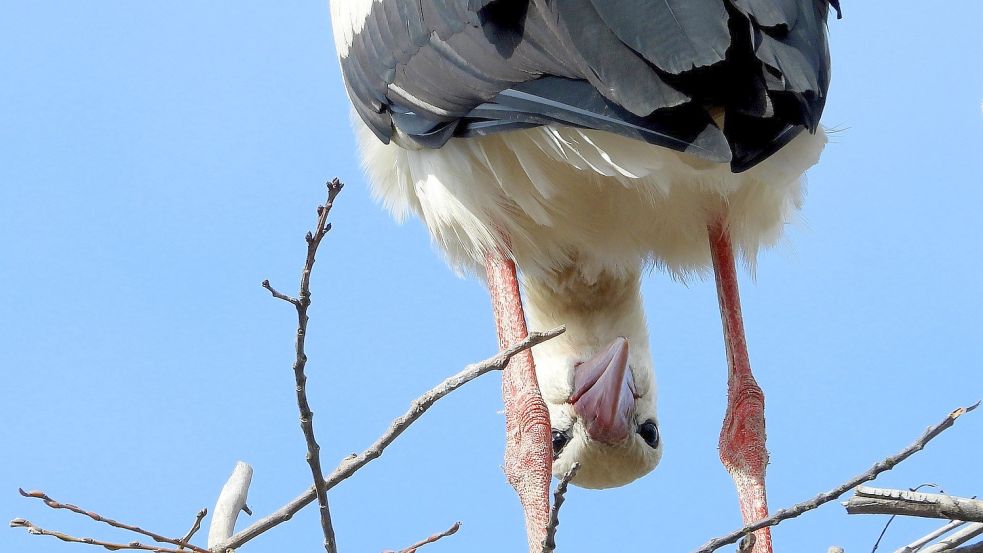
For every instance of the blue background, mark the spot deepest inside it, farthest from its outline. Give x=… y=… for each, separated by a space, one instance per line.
x=159 y=160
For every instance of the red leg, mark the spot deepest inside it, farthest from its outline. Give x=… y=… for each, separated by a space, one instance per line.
x=742 y=438
x=528 y=446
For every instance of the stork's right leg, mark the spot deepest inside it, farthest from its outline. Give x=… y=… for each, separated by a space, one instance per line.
x=528 y=445
x=742 y=438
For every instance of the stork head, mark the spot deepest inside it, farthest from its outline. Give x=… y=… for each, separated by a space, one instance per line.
x=596 y=377
x=602 y=414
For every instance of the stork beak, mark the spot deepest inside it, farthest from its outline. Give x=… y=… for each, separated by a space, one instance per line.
x=603 y=393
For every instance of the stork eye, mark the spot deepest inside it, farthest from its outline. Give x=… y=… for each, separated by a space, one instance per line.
x=560 y=440
x=649 y=432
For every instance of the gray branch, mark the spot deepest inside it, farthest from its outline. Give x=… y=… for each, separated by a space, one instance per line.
x=957 y=539
x=974 y=548
x=922 y=541
x=302 y=303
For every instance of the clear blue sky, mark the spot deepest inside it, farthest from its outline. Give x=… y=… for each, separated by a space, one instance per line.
x=159 y=160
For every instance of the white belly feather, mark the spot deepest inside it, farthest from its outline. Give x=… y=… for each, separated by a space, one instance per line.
x=563 y=193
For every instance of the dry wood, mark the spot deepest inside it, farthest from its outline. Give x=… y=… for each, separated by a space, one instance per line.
x=957 y=539
x=881 y=501
x=230 y=502
x=920 y=542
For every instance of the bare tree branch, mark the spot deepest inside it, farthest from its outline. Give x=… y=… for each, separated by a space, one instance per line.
x=302 y=302
x=36 y=494
x=412 y=549
x=920 y=542
x=417 y=408
x=194 y=527
x=229 y=504
x=825 y=497
x=38 y=531
x=559 y=495
x=880 y=501
x=957 y=539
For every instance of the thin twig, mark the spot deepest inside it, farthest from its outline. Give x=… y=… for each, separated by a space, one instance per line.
x=559 y=495
x=279 y=295
x=302 y=302
x=436 y=537
x=38 y=531
x=880 y=501
x=36 y=494
x=881 y=535
x=920 y=542
x=826 y=497
x=418 y=407
x=194 y=527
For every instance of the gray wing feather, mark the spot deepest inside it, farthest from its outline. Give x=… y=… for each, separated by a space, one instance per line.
x=647 y=69
x=675 y=35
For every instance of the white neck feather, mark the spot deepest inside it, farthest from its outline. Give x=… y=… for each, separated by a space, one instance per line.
x=595 y=312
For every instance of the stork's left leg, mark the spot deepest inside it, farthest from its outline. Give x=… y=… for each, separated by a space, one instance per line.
x=528 y=446
x=742 y=438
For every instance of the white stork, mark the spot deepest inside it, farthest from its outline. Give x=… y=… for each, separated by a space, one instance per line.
x=580 y=141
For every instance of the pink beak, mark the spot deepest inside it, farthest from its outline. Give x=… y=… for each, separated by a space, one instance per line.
x=603 y=394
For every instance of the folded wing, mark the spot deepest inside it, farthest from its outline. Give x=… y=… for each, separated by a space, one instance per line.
x=424 y=71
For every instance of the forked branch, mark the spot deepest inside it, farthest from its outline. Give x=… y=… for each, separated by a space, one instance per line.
x=301 y=303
